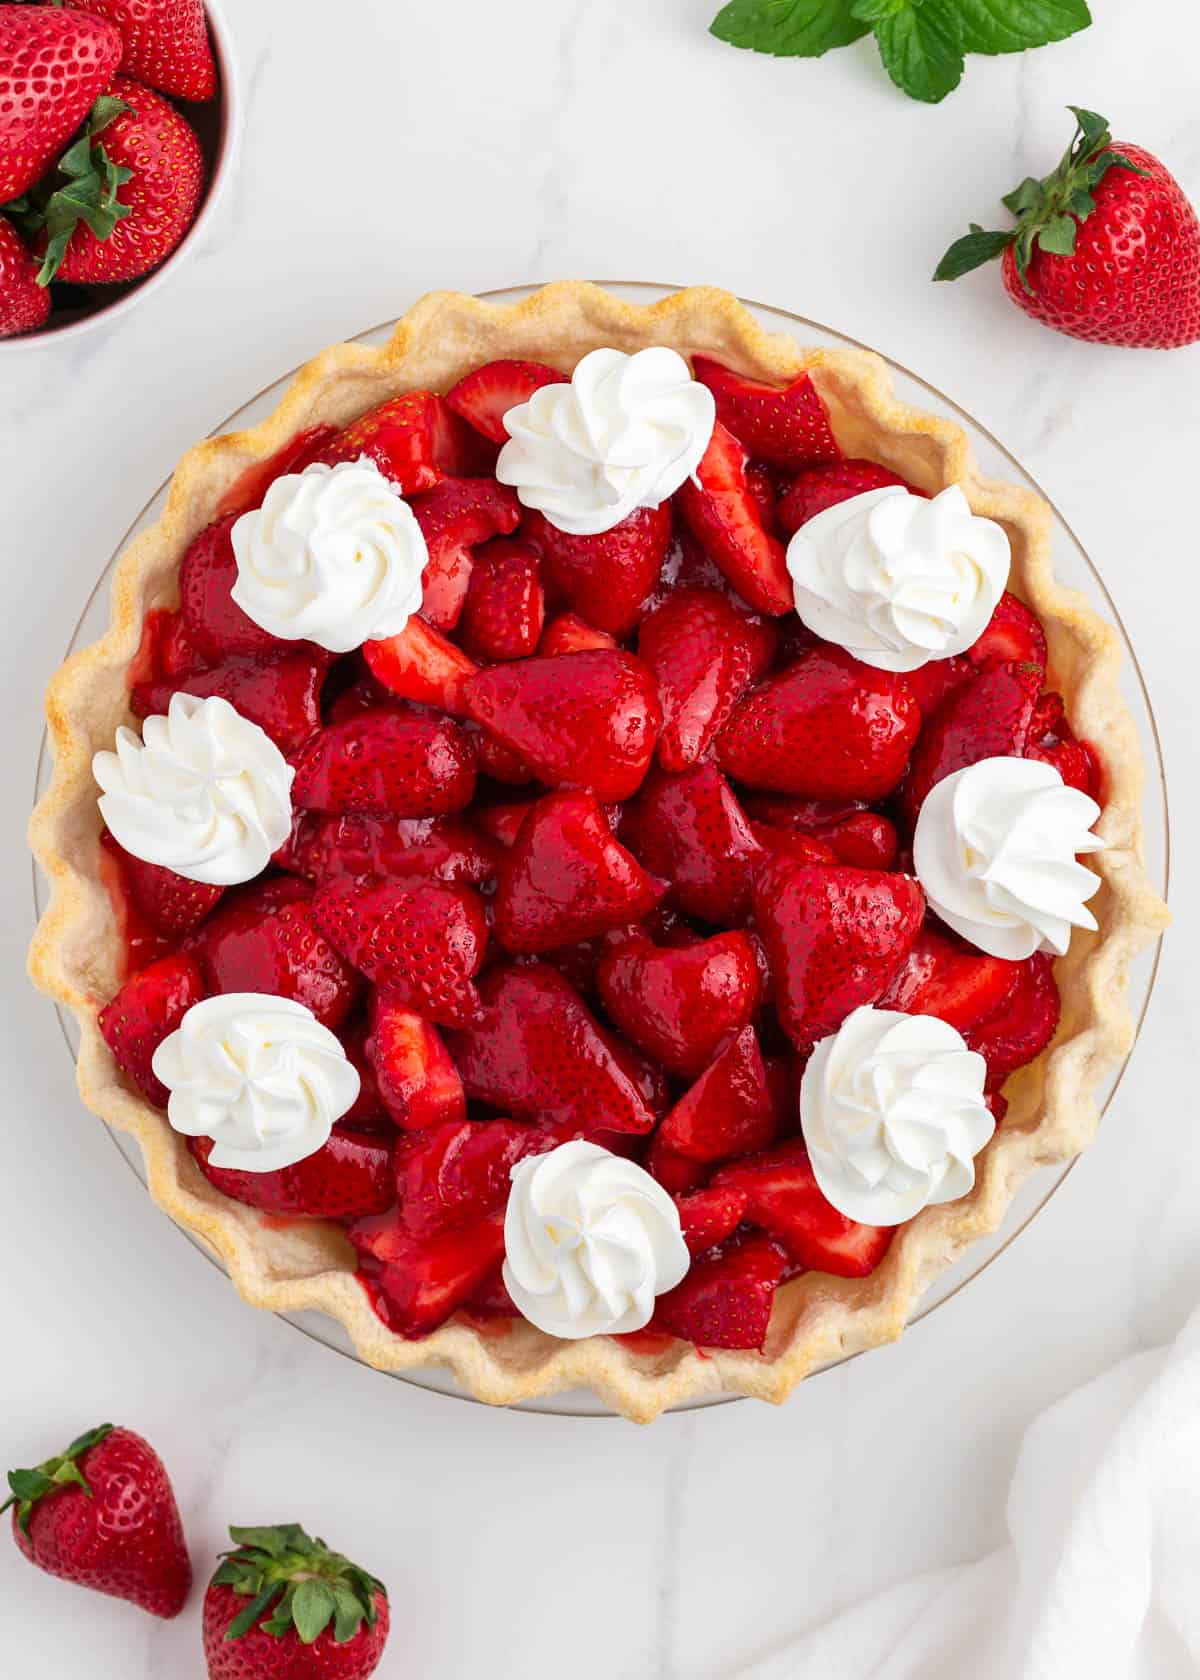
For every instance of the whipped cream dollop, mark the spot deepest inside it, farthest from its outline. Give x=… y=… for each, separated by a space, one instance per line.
x=259 y=1075
x=590 y=1240
x=996 y=849
x=893 y=1115
x=624 y=434
x=896 y=579
x=334 y=556
x=204 y=792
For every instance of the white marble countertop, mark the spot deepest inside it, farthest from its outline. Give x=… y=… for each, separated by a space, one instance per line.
x=391 y=149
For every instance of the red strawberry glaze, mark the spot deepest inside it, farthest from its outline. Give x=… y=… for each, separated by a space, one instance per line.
x=250 y=487
x=141 y=942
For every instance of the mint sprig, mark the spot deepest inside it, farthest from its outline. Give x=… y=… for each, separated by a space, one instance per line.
x=922 y=43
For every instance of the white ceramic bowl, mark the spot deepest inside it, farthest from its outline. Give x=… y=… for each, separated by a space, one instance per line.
x=219 y=126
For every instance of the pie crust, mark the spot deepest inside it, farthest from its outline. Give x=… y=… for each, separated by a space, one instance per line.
x=75 y=956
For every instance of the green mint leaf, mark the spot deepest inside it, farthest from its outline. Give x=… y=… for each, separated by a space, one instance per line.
x=789 y=28
x=1058 y=235
x=348 y=1613
x=971 y=251
x=242 y=1623
x=921 y=49
x=312 y=1609
x=1005 y=26
x=873 y=11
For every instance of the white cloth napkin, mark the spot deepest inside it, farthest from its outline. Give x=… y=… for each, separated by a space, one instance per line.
x=1101 y=1578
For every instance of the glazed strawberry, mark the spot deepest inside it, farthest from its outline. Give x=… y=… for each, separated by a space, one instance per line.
x=1052 y=740
x=285 y=1607
x=418 y=1084
x=367 y=1112
x=835 y=938
x=103 y=1515
x=568 y=633
x=783 y=1199
x=565 y=878
x=852 y=832
x=818 y=488
x=690 y=830
x=787 y=843
x=647 y=1078
x=1106 y=248
x=421 y=664
x=216 y=625
x=348 y=1177
x=505 y=607
x=708 y=1217
x=485 y=395
x=537 y=1050
x=827 y=727
x=414 y=440
x=607 y=577
x=161 y=173
x=249 y=489
x=678 y=1174
x=454 y=1175
x=498 y=762
x=787 y=427
x=170 y=902
x=280 y=693
x=990 y=716
x=53 y=67
x=148 y=1007
x=679 y=1004
x=415 y=1283
x=1012 y=633
x=455 y=517
x=703 y=655
x=164 y=43
x=1023 y=1025
x=502 y=823
x=728 y=1111
x=264 y=938
x=932 y=684
x=762 y=487
x=23 y=303
x=178 y=654
x=584 y=720
x=386 y=762
x=726 y=1298
x=720 y=510
x=431 y=848
x=946 y=977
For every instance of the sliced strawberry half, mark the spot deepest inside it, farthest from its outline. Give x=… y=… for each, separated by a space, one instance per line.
x=783 y=1199
x=367 y=1112
x=852 y=832
x=421 y=664
x=726 y=1298
x=943 y=976
x=720 y=510
x=786 y=426
x=506 y=605
x=568 y=633
x=453 y=1176
x=679 y=1004
x=350 y=1176
x=704 y=655
x=416 y=1283
x=418 y=1083
x=989 y=716
x=728 y=1111
x=215 y=624
x=170 y=902
x=787 y=843
x=431 y=848
x=708 y=1217
x=147 y=1009
x=281 y=693
x=415 y=440
x=484 y=396
x=690 y=830
x=455 y=517
x=1023 y=1025
x=811 y=492
x=386 y=762
x=605 y=578
x=1013 y=633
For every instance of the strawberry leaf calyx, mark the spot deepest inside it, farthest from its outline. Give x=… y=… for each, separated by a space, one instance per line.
x=82 y=187
x=26 y=1487
x=303 y=1585
x=1048 y=211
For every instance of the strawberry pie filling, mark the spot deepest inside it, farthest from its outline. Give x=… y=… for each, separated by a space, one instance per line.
x=605 y=856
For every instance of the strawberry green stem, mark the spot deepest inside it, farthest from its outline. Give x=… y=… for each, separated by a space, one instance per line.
x=28 y=1486
x=303 y=1584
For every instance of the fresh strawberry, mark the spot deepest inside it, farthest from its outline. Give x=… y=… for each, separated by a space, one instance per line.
x=538 y=1051
x=264 y=939
x=506 y=607
x=160 y=170
x=785 y=427
x=23 y=303
x=422 y=942
x=690 y=830
x=455 y=517
x=783 y=1199
x=386 y=762
x=1012 y=633
x=149 y=1006
x=708 y=1217
x=607 y=577
x=720 y=510
x=835 y=938
x=164 y=43
x=854 y=834
x=53 y=67
x=285 y=1607
x=818 y=488
x=455 y=1175
x=418 y=1083
x=280 y=693
x=215 y=624
x=728 y=1111
x=170 y=902
x=704 y=656
x=788 y=843
x=484 y=396
x=944 y=976
x=565 y=878
x=415 y=1283
x=249 y=489
x=432 y=848
x=933 y=683
x=679 y=1004
x=420 y=664
x=1023 y=1025
x=414 y=440
x=350 y=1176
x=584 y=720
x=1106 y=248
x=103 y=1515
x=726 y=1298
x=568 y=633
x=990 y=716
x=827 y=727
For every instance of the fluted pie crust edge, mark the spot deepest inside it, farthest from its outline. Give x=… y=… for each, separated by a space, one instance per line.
x=75 y=956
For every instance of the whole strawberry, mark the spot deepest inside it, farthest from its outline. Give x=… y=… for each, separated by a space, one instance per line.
x=103 y=1514
x=1106 y=248
x=53 y=66
x=23 y=303
x=285 y=1607
x=165 y=43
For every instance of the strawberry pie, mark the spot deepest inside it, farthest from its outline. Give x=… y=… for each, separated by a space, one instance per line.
x=595 y=850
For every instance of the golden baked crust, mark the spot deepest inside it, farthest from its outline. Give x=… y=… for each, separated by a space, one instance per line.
x=1053 y=1112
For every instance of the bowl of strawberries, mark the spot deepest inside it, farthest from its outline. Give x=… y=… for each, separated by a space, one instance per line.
x=118 y=131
